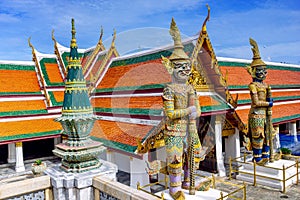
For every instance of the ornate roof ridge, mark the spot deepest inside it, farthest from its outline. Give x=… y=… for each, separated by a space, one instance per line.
x=156 y=49
x=17 y=62
x=240 y=60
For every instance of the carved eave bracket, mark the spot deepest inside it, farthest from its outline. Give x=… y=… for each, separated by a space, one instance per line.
x=154 y=140
x=228 y=128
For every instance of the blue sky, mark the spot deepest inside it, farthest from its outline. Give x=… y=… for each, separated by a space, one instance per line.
x=274 y=24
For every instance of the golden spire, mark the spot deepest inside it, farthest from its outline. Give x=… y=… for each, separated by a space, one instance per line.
x=256 y=56
x=206 y=19
x=114 y=38
x=178 y=53
x=101 y=35
x=52 y=34
x=73 y=41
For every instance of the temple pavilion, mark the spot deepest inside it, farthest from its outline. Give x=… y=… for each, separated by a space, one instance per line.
x=125 y=92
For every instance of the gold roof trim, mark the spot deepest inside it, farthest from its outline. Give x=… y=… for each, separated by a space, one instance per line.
x=35 y=60
x=56 y=52
x=99 y=47
x=112 y=51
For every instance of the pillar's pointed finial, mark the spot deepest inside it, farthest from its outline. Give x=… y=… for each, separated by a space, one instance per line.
x=73 y=41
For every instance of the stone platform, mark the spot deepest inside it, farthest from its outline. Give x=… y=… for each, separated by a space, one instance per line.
x=78 y=186
x=211 y=194
x=271 y=172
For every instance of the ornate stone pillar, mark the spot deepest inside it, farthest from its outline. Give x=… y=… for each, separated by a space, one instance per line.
x=19 y=157
x=219 y=153
x=11 y=153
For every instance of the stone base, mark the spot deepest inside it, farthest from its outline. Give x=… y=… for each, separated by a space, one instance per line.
x=211 y=194
x=270 y=173
x=78 y=186
x=79 y=158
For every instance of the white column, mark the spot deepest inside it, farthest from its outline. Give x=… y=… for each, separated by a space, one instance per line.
x=276 y=140
x=11 y=153
x=56 y=141
x=293 y=130
x=232 y=146
x=219 y=154
x=110 y=156
x=138 y=171
x=19 y=157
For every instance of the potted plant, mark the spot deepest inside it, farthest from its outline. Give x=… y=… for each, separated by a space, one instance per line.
x=286 y=151
x=38 y=167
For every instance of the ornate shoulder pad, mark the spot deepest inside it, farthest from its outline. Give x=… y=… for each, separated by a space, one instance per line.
x=252 y=88
x=168 y=94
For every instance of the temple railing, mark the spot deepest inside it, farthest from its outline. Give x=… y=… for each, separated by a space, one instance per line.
x=215 y=184
x=26 y=187
x=105 y=188
x=239 y=161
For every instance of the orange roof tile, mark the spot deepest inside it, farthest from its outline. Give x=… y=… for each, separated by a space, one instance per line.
x=208 y=101
x=154 y=102
x=59 y=95
x=240 y=76
x=236 y=75
x=53 y=73
x=275 y=77
x=124 y=133
x=144 y=73
x=244 y=96
x=9 y=106
x=279 y=111
x=18 y=81
x=28 y=127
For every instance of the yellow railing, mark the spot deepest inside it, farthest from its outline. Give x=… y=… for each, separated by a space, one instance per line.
x=213 y=185
x=242 y=159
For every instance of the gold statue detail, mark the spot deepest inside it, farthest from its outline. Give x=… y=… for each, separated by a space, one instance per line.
x=260 y=114
x=181 y=108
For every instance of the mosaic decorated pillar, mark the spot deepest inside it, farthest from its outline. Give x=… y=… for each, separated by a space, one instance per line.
x=19 y=157
x=79 y=153
x=11 y=158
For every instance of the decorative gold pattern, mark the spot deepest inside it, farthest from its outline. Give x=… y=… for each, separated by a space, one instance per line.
x=19 y=144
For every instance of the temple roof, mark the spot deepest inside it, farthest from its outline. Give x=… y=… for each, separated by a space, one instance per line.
x=22 y=104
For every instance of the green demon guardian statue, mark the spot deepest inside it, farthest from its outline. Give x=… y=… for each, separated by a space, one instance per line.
x=181 y=108
x=259 y=120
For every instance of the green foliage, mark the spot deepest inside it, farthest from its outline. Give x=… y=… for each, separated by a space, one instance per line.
x=286 y=150
x=38 y=162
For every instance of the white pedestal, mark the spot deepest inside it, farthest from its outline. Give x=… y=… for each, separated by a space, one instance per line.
x=78 y=186
x=270 y=173
x=211 y=194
